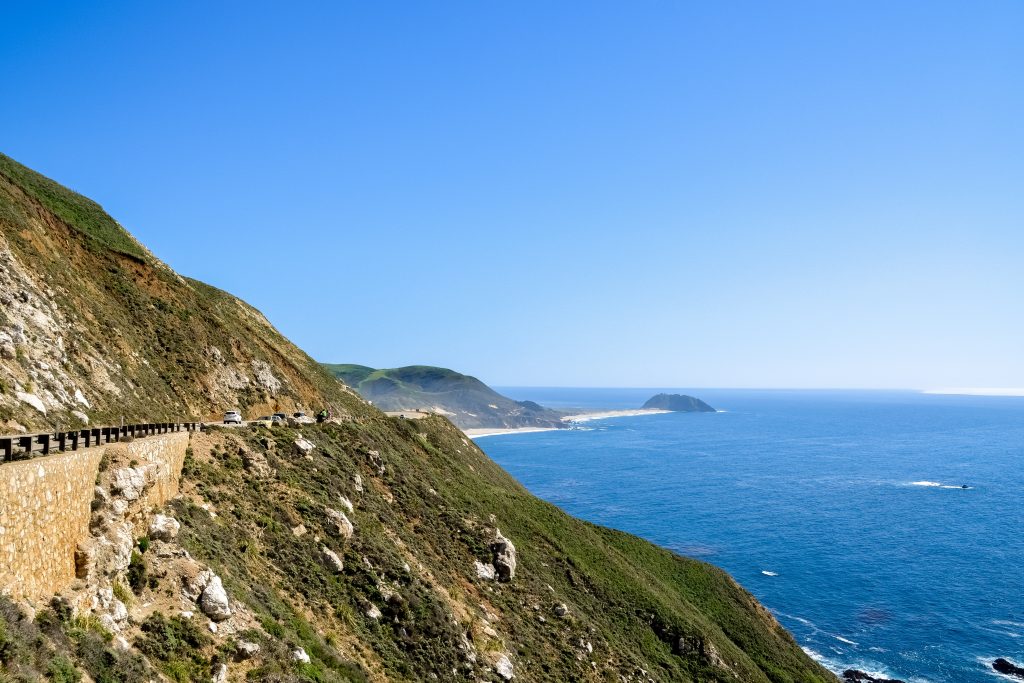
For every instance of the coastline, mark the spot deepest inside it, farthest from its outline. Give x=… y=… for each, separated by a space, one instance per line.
x=479 y=433
x=586 y=417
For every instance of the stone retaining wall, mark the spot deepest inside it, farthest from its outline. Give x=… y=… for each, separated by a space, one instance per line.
x=45 y=508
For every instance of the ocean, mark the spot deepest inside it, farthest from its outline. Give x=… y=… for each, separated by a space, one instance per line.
x=842 y=511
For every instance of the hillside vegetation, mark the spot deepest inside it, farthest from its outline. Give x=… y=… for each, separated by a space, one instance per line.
x=465 y=400
x=93 y=327
x=369 y=549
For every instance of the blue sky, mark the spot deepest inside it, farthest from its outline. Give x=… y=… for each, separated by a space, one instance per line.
x=730 y=194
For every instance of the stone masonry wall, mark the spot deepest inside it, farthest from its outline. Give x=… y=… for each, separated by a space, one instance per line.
x=45 y=509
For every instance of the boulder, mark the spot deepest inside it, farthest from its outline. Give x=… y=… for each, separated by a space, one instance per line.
x=1007 y=667
x=245 y=649
x=346 y=503
x=256 y=463
x=338 y=524
x=504 y=557
x=220 y=673
x=503 y=667
x=331 y=560
x=373 y=612
x=561 y=610
x=357 y=483
x=164 y=528
x=299 y=655
x=214 y=600
x=304 y=446
x=193 y=583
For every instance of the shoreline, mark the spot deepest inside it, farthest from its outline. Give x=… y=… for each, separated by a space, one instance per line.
x=602 y=415
x=481 y=432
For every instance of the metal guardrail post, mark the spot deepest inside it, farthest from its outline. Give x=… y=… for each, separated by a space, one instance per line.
x=7 y=446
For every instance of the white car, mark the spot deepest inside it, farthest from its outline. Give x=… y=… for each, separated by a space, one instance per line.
x=232 y=417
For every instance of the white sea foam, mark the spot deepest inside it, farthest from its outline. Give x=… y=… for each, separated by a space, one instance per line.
x=845 y=640
x=1005 y=622
x=939 y=485
x=768 y=573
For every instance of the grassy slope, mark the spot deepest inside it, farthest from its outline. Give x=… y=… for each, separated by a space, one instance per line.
x=155 y=329
x=432 y=509
x=468 y=400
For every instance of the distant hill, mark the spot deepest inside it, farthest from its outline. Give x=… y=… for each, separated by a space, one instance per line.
x=465 y=400
x=679 y=403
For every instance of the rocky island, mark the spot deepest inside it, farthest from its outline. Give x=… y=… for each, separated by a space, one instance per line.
x=679 y=403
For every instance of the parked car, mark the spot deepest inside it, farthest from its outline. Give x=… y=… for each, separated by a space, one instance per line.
x=279 y=419
x=232 y=417
x=298 y=415
x=266 y=420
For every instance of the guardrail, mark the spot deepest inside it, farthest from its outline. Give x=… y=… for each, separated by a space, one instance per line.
x=23 y=447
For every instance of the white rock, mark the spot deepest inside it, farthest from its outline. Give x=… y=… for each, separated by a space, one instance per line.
x=81 y=416
x=357 y=482
x=212 y=625
x=331 y=560
x=373 y=612
x=214 y=601
x=129 y=483
x=504 y=556
x=32 y=400
x=346 y=503
x=193 y=586
x=80 y=397
x=118 y=611
x=561 y=610
x=304 y=446
x=220 y=674
x=246 y=650
x=164 y=528
x=339 y=523
x=503 y=667
x=299 y=655
x=484 y=571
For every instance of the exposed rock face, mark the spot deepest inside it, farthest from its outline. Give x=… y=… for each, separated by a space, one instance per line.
x=347 y=504
x=484 y=571
x=678 y=403
x=214 y=601
x=129 y=482
x=164 y=528
x=1007 y=667
x=857 y=676
x=504 y=557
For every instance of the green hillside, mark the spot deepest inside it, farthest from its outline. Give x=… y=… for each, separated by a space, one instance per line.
x=465 y=400
x=94 y=327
